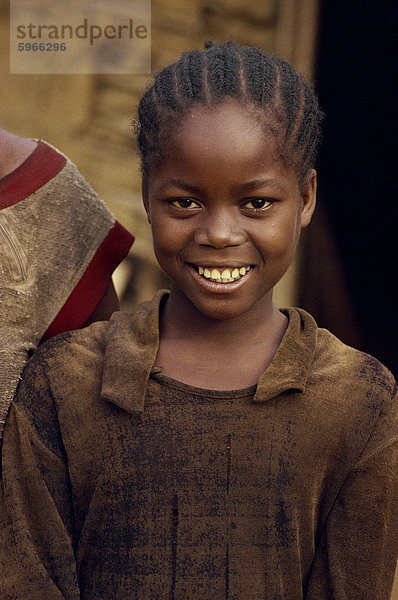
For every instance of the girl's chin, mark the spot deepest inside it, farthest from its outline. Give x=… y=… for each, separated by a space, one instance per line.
x=219 y=301
x=223 y=309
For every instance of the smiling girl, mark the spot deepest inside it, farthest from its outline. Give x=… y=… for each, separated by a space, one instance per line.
x=208 y=445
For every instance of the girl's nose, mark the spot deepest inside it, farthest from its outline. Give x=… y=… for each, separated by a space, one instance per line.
x=219 y=230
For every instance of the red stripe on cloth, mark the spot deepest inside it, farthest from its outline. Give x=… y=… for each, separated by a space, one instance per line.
x=39 y=168
x=92 y=286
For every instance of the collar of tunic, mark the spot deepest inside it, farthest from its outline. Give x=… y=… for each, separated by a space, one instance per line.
x=132 y=345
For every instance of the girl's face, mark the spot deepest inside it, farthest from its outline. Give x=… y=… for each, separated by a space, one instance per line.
x=226 y=213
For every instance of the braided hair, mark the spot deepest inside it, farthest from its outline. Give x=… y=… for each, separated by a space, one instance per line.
x=281 y=99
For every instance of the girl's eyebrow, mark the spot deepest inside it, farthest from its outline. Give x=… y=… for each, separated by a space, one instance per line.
x=257 y=183
x=188 y=187
x=243 y=187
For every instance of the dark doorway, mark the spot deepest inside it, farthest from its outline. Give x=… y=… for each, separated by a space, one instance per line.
x=356 y=80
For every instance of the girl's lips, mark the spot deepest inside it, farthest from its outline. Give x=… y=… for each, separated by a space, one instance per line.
x=224 y=274
x=221 y=279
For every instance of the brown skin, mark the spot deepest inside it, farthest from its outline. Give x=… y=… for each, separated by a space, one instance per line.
x=14 y=150
x=108 y=305
x=223 y=198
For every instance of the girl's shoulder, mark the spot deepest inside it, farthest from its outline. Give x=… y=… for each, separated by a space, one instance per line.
x=344 y=375
x=128 y=341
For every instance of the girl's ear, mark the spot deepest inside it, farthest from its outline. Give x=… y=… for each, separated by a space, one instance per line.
x=146 y=202
x=146 y=206
x=308 y=199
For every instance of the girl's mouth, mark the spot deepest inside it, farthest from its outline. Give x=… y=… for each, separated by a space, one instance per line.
x=224 y=275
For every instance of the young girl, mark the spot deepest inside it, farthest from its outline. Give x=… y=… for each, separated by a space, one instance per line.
x=208 y=445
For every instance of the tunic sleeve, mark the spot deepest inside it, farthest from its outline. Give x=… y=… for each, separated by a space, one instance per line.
x=357 y=552
x=37 y=546
x=90 y=289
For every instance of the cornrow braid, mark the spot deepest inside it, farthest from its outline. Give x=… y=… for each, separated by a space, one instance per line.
x=261 y=83
x=223 y=71
x=280 y=96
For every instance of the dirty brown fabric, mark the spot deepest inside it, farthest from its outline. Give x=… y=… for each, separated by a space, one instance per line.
x=47 y=241
x=121 y=483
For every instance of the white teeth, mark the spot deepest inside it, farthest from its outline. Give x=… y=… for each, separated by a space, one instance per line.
x=226 y=276
x=215 y=274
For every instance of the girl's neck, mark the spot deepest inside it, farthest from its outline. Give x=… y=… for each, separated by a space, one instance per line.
x=180 y=319
x=227 y=354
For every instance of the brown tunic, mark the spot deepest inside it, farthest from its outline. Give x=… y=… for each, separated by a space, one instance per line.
x=124 y=484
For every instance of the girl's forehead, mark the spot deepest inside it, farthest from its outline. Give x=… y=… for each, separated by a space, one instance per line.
x=226 y=132
x=221 y=147
x=223 y=115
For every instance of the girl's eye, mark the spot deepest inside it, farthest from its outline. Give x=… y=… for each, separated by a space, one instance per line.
x=258 y=203
x=185 y=203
